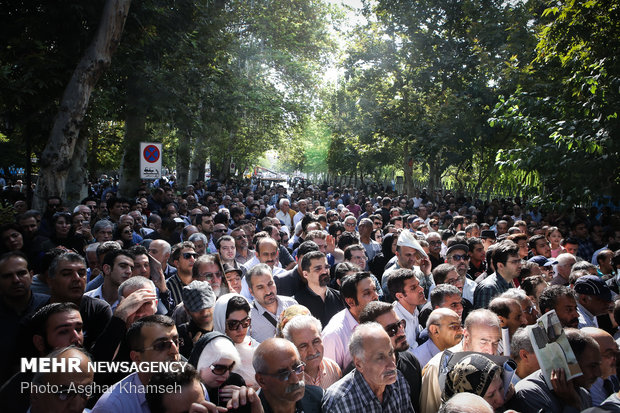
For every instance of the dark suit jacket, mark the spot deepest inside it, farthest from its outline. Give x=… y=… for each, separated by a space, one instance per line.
x=310 y=403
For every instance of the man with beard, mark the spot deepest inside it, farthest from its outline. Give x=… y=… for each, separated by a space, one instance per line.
x=458 y=255
x=322 y=301
x=267 y=305
x=562 y=300
x=593 y=299
x=532 y=393
x=304 y=331
x=207 y=268
x=434 y=249
x=444 y=331
x=406 y=363
x=198 y=302
x=409 y=295
x=279 y=373
x=375 y=385
x=607 y=384
x=507 y=265
x=151 y=339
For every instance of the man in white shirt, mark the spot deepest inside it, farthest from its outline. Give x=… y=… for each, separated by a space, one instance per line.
x=357 y=290
x=406 y=288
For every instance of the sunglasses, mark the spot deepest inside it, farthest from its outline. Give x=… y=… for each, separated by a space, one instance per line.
x=285 y=375
x=161 y=346
x=188 y=255
x=220 y=230
x=458 y=257
x=235 y=324
x=221 y=369
x=394 y=328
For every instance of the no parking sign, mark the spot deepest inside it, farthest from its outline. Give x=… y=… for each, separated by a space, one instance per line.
x=150 y=160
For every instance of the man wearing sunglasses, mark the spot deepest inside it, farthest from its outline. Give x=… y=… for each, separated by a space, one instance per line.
x=458 y=255
x=151 y=339
x=279 y=372
x=183 y=257
x=69 y=396
x=394 y=326
x=507 y=265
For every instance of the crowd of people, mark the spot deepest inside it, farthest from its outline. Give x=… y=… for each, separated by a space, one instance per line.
x=307 y=298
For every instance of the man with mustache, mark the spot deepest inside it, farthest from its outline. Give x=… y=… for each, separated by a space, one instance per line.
x=444 y=331
x=323 y=302
x=151 y=339
x=267 y=305
x=406 y=363
x=375 y=385
x=304 y=331
x=562 y=300
x=279 y=373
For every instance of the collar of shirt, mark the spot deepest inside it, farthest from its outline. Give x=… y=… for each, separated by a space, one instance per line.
x=263 y=310
x=502 y=282
x=349 y=321
x=410 y=317
x=586 y=314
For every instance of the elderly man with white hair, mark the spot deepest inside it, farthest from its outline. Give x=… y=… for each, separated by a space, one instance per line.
x=375 y=385
x=304 y=331
x=444 y=331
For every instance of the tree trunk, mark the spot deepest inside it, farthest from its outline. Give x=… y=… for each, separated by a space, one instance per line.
x=199 y=156
x=434 y=173
x=183 y=158
x=57 y=155
x=408 y=171
x=77 y=179
x=135 y=132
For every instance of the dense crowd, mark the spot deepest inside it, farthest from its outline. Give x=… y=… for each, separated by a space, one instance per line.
x=305 y=298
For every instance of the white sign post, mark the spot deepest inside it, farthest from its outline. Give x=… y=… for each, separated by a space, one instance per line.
x=150 y=160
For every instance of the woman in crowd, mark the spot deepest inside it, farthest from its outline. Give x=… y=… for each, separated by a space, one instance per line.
x=12 y=238
x=231 y=316
x=124 y=234
x=64 y=235
x=215 y=356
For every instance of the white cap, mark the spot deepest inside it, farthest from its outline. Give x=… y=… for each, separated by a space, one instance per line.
x=407 y=239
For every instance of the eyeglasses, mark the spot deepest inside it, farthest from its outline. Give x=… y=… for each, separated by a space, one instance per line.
x=458 y=257
x=516 y=261
x=394 y=328
x=161 y=346
x=188 y=255
x=241 y=237
x=530 y=309
x=285 y=375
x=211 y=275
x=454 y=281
x=65 y=392
x=434 y=242
x=221 y=369
x=235 y=324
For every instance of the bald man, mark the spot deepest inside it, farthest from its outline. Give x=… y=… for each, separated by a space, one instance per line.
x=280 y=374
x=608 y=383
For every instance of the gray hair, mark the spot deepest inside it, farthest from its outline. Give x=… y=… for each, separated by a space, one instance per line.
x=198 y=236
x=166 y=245
x=39 y=377
x=102 y=224
x=482 y=317
x=300 y=322
x=433 y=234
x=282 y=201
x=515 y=294
x=520 y=340
x=356 y=343
x=258 y=269
x=217 y=349
x=67 y=256
x=137 y=282
x=466 y=403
